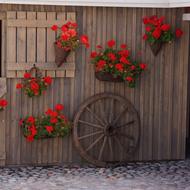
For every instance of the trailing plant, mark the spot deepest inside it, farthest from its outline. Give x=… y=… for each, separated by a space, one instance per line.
x=50 y=125
x=117 y=62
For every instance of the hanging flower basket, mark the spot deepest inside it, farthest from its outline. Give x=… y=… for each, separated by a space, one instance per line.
x=102 y=76
x=67 y=41
x=50 y=125
x=60 y=55
x=115 y=65
x=33 y=83
x=155 y=47
x=157 y=33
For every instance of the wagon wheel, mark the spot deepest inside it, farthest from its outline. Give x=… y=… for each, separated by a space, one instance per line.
x=106 y=129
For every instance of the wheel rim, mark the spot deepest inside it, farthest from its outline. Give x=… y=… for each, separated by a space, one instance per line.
x=106 y=129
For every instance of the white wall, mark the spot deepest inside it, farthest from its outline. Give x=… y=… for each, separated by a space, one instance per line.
x=109 y=3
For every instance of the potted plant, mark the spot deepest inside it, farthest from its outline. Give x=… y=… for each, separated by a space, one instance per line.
x=157 y=32
x=67 y=41
x=50 y=125
x=116 y=65
x=34 y=84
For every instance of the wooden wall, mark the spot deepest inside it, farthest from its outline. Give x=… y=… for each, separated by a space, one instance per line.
x=160 y=96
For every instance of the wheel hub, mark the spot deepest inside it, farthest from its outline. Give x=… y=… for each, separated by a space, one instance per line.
x=109 y=130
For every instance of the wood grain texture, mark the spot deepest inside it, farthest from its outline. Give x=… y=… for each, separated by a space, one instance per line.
x=160 y=96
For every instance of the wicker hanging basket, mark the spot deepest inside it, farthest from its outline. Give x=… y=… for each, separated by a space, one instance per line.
x=102 y=76
x=60 y=55
x=155 y=47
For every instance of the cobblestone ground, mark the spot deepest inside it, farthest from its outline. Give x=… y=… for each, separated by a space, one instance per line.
x=139 y=176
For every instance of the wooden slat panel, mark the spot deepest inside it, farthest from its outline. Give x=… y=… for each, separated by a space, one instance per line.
x=42 y=66
x=33 y=23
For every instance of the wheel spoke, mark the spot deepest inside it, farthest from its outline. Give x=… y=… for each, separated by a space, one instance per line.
x=110 y=146
x=102 y=148
x=94 y=143
x=131 y=138
x=90 y=124
x=111 y=110
x=118 y=117
x=89 y=135
x=126 y=124
x=125 y=149
x=95 y=116
x=102 y=112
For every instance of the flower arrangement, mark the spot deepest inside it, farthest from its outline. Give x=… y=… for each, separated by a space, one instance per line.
x=52 y=124
x=67 y=40
x=158 y=32
x=34 y=86
x=116 y=65
x=3 y=104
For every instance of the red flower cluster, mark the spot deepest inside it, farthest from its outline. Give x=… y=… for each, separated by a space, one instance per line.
x=156 y=30
x=68 y=37
x=117 y=62
x=52 y=124
x=3 y=104
x=34 y=86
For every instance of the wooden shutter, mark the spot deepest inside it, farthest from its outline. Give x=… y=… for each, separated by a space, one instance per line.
x=30 y=41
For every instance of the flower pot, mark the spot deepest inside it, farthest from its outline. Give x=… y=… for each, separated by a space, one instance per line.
x=60 y=55
x=155 y=47
x=102 y=76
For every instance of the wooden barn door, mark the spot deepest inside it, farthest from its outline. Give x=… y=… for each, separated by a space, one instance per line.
x=30 y=41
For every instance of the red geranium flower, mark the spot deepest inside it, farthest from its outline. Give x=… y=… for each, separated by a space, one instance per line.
x=133 y=67
x=93 y=54
x=99 y=46
x=64 y=37
x=53 y=120
x=27 y=75
x=124 y=60
x=111 y=43
x=30 y=138
x=49 y=112
x=112 y=56
x=64 y=28
x=19 y=86
x=3 y=103
x=157 y=33
x=145 y=20
x=119 y=67
x=129 y=79
x=48 y=80
x=178 y=32
x=84 y=40
x=165 y=27
x=101 y=64
x=148 y=28
x=59 y=107
x=145 y=37
x=49 y=129
x=54 y=27
x=34 y=86
x=123 y=46
x=143 y=66
x=31 y=119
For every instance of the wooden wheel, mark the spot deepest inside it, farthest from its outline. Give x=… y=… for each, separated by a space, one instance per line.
x=106 y=129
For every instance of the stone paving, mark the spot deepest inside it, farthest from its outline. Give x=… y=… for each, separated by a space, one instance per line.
x=173 y=175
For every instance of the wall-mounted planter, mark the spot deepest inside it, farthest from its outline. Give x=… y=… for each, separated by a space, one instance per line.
x=155 y=47
x=102 y=76
x=60 y=55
